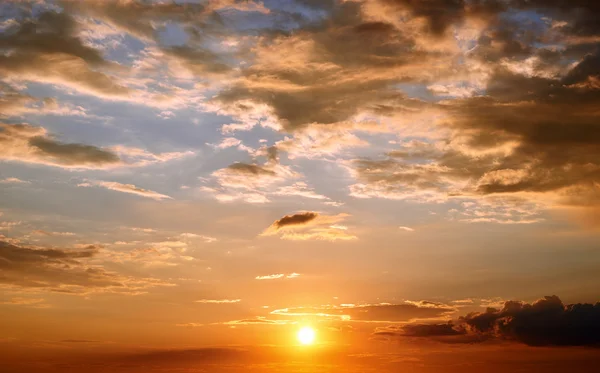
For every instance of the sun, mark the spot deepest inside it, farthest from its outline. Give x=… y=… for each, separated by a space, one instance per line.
x=306 y=335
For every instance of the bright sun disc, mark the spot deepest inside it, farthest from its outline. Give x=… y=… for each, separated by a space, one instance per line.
x=306 y=335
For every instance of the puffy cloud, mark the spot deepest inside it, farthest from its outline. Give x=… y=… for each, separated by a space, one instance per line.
x=546 y=322
x=47 y=49
x=329 y=73
x=63 y=271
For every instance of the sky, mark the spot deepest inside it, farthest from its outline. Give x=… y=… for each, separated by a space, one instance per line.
x=187 y=184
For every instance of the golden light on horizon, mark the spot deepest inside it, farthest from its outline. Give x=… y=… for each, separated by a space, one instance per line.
x=306 y=335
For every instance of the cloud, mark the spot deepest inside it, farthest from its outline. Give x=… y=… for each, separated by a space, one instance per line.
x=27 y=302
x=250 y=182
x=46 y=48
x=218 y=301
x=257 y=321
x=546 y=322
x=25 y=143
x=295 y=219
x=127 y=188
x=277 y=276
x=13 y=180
x=206 y=239
x=371 y=312
x=309 y=225
x=40 y=232
x=64 y=271
x=299 y=189
x=406 y=229
x=325 y=74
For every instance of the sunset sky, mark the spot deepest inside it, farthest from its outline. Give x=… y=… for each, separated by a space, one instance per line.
x=185 y=185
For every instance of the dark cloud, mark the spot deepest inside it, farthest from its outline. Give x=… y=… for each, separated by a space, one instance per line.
x=249 y=169
x=46 y=48
x=428 y=330
x=62 y=271
x=198 y=60
x=331 y=71
x=440 y=14
x=546 y=322
x=140 y=18
x=295 y=219
x=26 y=143
x=73 y=154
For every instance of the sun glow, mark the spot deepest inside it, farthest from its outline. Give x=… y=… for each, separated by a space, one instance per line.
x=306 y=335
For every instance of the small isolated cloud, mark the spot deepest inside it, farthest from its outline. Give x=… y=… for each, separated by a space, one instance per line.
x=13 y=180
x=218 y=301
x=310 y=225
x=277 y=276
x=301 y=218
x=204 y=238
x=406 y=229
x=126 y=188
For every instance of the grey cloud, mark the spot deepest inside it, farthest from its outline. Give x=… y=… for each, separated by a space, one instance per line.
x=295 y=219
x=73 y=154
x=546 y=322
x=331 y=72
x=26 y=143
x=46 y=48
x=250 y=169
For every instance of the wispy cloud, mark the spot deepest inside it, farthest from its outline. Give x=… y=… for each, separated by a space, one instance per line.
x=218 y=301
x=126 y=188
x=277 y=276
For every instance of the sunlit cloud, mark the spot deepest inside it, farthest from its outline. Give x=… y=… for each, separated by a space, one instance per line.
x=277 y=276
x=126 y=188
x=218 y=301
